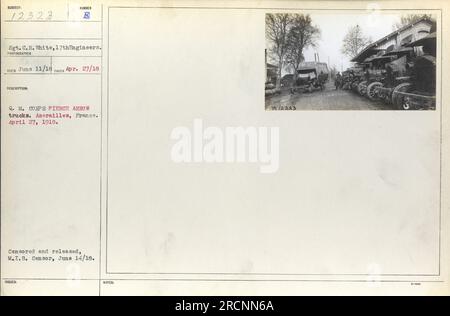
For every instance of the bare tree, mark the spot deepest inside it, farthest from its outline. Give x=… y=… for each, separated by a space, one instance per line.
x=277 y=27
x=410 y=18
x=302 y=34
x=354 y=41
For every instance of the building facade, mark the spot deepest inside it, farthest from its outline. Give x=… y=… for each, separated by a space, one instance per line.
x=401 y=37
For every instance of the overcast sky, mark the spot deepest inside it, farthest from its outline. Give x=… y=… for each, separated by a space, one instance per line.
x=334 y=27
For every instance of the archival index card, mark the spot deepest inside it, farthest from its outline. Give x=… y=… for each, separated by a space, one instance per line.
x=228 y=148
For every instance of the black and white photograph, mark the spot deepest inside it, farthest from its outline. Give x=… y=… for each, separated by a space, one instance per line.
x=350 y=61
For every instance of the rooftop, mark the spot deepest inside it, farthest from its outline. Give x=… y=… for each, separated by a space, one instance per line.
x=373 y=46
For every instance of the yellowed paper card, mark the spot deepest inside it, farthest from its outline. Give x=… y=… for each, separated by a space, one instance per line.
x=224 y=147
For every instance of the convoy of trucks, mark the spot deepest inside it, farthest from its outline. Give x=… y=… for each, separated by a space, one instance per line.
x=399 y=70
x=403 y=76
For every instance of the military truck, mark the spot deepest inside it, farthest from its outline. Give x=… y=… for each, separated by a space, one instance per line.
x=418 y=91
x=311 y=76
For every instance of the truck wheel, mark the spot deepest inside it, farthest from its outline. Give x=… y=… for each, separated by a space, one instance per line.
x=399 y=101
x=362 y=87
x=372 y=91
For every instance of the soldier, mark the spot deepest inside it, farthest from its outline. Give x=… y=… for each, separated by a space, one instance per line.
x=337 y=81
x=390 y=76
